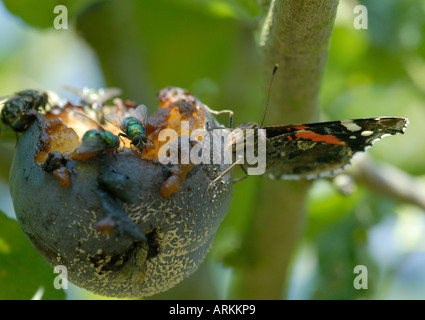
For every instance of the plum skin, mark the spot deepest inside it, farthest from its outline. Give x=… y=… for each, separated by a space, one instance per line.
x=60 y=222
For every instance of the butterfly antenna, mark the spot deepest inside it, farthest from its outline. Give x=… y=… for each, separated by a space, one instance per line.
x=268 y=94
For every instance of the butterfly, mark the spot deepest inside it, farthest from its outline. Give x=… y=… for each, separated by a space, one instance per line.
x=315 y=150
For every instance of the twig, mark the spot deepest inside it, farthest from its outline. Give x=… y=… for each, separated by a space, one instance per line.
x=389 y=181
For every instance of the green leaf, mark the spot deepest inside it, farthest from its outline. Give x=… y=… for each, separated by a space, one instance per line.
x=23 y=272
x=40 y=13
x=178 y=43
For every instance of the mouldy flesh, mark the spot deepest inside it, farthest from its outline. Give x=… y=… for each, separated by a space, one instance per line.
x=122 y=223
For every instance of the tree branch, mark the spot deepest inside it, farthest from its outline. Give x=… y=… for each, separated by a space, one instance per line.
x=295 y=35
x=389 y=181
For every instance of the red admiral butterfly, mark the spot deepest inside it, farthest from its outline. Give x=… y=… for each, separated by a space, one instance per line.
x=306 y=151
x=310 y=151
x=315 y=150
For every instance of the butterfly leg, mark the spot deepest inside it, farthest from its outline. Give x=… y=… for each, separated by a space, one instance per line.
x=221 y=175
x=241 y=178
x=230 y=112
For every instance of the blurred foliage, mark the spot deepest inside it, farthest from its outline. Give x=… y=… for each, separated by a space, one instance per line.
x=42 y=14
x=22 y=270
x=209 y=48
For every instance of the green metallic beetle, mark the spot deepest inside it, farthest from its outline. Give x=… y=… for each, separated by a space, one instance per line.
x=133 y=126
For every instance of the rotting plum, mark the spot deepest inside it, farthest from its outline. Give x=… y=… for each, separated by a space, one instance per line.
x=122 y=223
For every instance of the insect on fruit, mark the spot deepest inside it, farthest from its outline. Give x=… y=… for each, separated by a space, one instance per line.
x=20 y=110
x=123 y=225
x=94 y=141
x=94 y=98
x=314 y=150
x=133 y=127
x=310 y=151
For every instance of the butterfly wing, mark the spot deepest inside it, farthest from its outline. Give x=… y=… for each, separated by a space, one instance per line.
x=310 y=151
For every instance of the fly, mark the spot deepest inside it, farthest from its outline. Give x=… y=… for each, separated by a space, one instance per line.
x=94 y=141
x=19 y=111
x=94 y=98
x=133 y=126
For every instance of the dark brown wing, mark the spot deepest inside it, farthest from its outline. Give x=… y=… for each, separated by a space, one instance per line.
x=310 y=151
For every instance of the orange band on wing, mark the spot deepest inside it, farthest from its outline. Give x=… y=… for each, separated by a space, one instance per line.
x=310 y=135
x=299 y=127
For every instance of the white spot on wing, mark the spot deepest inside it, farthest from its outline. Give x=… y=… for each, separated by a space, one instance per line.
x=366 y=133
x=405 y=124
x=351 y=126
